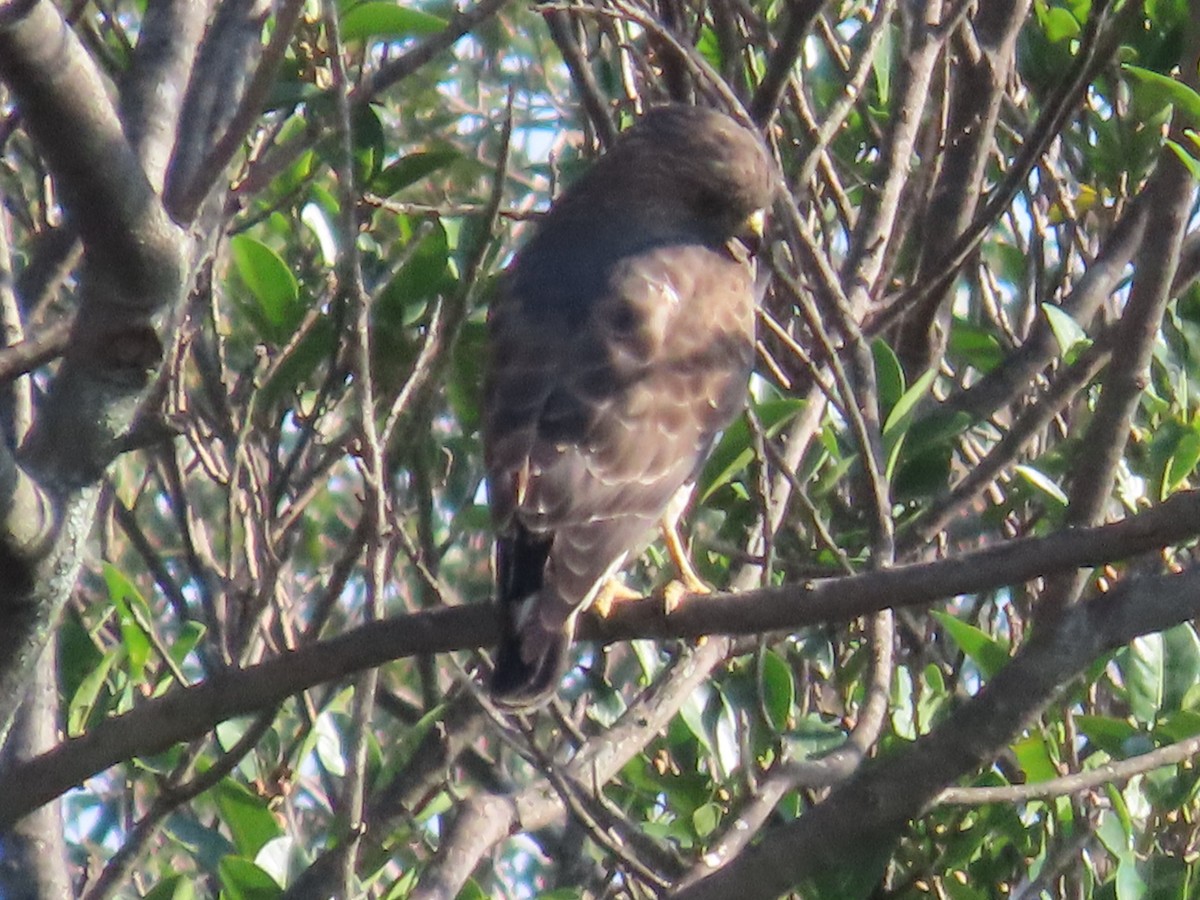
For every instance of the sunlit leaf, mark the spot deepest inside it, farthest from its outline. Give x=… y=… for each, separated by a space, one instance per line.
x=1144 y=667
x=1070 y=336
x=1058 y=23
x=1043 y=483
x=1034 y=758
x=243 y=880
x=271 y=283
x=247 y=817
x=706 y=818
x=84 y=701
x=133 y=613
x=387 y=20
x=1166 y=89
x=734 y=450
x=985 y=651
x=889 y=377
x=779 y=690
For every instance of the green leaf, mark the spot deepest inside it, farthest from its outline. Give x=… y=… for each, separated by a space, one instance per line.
x=1144 y=667
x=1130 y=885
x=313 y=215
x=896 y=426
x=1057 y=23
x=412 y=168
x=882 y=63
x=425 y=274
x=1106 y=732
x=1171 y=91
x=1042 y=482
x=472 y=891
x=1183 y=460
x=329 y=743
x=247 y=817
x=186 y=640
x=812 y=736
x=388 y=20
x=1190 y=162
x=173 y=888
x=985 y=651
x=400 y=752
x=692 y=715
x=1178 y=726
x=1181 y=664
x=709 y=47
x=706 y=818
x=903 y=410
x=977 y=346
x=133 y=612
x=779 y=690
x=938 y=429
x=904 y=705
x=86 y=697
x=733 y=451
x=725 y=738
x=1070 y=336
x=1034 y=758
x=243 y=880
x=889 y=377
x=272 y=284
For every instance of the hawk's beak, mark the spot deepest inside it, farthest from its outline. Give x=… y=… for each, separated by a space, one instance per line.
x=750 y=232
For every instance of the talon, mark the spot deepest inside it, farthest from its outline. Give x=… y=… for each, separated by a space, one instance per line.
x=673 y=595
x=613 y=591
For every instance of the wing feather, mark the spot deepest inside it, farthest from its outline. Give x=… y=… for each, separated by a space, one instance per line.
x=600 y=421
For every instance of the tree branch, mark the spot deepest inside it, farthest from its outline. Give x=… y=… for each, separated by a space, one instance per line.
x=857 y=823
x=187 y=713
x=65 y=108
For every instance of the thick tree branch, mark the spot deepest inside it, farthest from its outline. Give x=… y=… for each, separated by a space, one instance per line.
x=224 y=100
x=1096 y=49
x=978 y=86
x=152 y=97
x=33 y=857
x=1019 y=368
x=1171 y=191
x=187 y=713
x=65 y=108
x=856 y=824
x=133 y=270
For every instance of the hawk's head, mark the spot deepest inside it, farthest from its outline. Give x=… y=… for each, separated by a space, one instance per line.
x=681 y=168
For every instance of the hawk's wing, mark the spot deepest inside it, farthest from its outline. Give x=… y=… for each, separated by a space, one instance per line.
x=597 y=410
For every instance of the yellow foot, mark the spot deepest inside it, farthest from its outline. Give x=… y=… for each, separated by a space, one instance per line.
x=613 y=591
x=674 y=592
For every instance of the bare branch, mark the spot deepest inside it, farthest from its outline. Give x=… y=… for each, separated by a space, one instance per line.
x=189 y=712
x=868 y=812
x=65 y=107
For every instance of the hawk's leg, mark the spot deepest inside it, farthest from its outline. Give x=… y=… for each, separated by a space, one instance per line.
x=689 y=580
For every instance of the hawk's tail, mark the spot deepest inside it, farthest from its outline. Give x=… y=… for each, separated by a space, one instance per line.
x=529 y=666
x=532 y=656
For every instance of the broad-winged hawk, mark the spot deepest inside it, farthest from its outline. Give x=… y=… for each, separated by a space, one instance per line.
x=620 y=344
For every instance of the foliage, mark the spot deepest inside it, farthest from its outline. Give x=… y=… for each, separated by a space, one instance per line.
x=979 y=328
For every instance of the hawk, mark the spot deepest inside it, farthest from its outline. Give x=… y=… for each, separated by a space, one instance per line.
x=620 y=343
